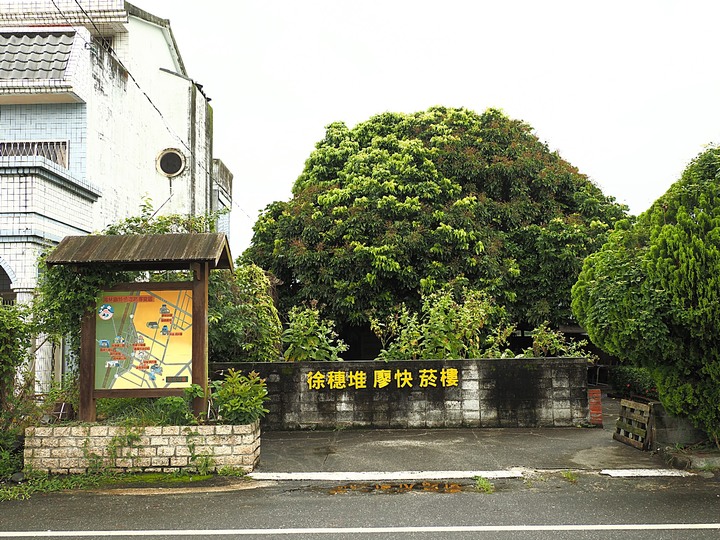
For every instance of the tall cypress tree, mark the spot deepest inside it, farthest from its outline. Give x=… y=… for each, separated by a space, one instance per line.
x=651 y=296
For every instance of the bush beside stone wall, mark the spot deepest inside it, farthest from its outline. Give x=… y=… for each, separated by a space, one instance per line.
x=79 y=449
x=537 y=392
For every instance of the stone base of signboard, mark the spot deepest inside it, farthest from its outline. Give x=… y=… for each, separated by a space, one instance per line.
x=81 y=449
x=488 y=392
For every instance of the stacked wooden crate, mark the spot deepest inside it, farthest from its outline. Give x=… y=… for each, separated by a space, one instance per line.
x=633 y=425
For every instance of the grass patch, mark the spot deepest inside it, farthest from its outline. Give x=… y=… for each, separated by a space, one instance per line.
x=38 y=483
x=155 y=479
x=483 y=485
x=47 y=483
x=232 y=471
x=570 y=476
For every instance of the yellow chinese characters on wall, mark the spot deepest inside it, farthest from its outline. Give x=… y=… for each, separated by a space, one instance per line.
x=383 y=378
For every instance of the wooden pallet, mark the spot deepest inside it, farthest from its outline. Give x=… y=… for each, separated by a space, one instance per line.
x=633 y=425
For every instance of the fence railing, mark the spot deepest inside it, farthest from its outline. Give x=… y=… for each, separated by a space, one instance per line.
x=7 y=298
x=55 y=151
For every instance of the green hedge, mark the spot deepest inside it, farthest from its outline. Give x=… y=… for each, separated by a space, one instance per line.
x=631 y=381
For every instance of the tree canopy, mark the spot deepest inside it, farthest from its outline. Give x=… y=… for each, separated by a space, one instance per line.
x=403 y=204
x=651 y=295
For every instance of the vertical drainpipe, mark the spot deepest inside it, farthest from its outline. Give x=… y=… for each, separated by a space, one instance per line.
x=209 y=143
x=191 y=139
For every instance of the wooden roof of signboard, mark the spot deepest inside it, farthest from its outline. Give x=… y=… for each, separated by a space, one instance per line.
x=144 y=252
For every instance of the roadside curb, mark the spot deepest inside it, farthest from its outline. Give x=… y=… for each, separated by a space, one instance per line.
x=517 y=472
x=264 y=480
x=233 y=486
x=691 y=461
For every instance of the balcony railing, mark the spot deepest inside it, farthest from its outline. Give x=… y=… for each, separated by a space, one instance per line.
x=55 y=151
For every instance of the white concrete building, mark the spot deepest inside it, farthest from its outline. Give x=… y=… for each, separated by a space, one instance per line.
x=97 y=112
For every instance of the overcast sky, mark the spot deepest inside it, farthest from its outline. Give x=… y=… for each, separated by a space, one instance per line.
x=627 y=91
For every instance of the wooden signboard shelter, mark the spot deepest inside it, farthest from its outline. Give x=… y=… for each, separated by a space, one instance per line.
x=199 y=253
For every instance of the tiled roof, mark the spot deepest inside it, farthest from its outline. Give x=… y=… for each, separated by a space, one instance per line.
x=34 y=55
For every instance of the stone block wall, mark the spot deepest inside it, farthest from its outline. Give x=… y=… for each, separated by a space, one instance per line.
x=79 y=449
x=537 y=392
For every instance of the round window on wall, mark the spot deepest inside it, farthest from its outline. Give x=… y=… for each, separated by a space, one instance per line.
x=171 y=162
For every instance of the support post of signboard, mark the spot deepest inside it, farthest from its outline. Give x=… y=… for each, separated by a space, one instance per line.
x=201 y=275
x=87 y=368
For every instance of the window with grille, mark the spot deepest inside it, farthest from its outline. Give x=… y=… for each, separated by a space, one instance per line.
x=55 y=151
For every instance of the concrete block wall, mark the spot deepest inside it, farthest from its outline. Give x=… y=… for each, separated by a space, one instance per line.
x=668 y=430
x=538 y=392
x=77 y=449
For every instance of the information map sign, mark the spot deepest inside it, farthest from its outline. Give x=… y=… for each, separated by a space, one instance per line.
x=143 y=339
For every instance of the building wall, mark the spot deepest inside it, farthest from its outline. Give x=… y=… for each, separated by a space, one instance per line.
x=39 y=205
x=49 y=122
x=18 y=261
x=222 y=195
x=118 y=111
x=128 y=107
x=182 y=122
x=127 y=132
x=40 y=201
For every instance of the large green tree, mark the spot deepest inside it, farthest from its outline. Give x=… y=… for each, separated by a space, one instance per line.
x=652 y=294
x=403 y=204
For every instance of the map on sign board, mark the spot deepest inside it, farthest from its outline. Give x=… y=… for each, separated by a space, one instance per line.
x=143 y=339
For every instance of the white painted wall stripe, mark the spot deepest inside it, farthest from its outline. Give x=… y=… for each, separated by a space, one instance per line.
x=368 y=530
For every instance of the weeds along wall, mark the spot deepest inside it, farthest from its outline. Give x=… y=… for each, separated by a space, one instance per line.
x=536 y=392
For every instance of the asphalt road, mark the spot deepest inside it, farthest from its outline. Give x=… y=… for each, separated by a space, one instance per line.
x=545 y=504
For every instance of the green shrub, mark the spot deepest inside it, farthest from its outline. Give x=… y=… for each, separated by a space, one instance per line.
x=630 y=381
x=19 y=407
x=472 y=327
x=239 y=399
x=651 y=295
x=10 y=462
x=308 y=337
x=113 y=408
x=163 y=411
x=174 y=411
x=16 y=393
x=243 y=322
x=553 y=343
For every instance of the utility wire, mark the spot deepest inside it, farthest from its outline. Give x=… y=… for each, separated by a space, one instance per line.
x=114 y=54
x=105 y=41
x=134 y=80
